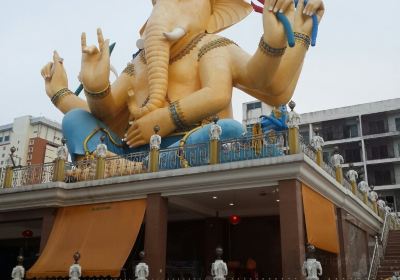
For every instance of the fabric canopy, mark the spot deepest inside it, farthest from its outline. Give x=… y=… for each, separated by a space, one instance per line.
x=320 y=219
x=103 y=234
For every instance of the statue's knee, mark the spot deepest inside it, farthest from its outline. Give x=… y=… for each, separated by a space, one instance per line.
x=73 y=118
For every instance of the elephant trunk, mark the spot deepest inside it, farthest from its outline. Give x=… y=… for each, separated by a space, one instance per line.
x=157 y=51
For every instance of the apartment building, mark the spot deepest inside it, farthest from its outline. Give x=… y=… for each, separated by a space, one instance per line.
x=367 y=135
x=35 y=139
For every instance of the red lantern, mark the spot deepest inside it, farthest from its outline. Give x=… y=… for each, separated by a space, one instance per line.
x=234 y=219
x=27 y=233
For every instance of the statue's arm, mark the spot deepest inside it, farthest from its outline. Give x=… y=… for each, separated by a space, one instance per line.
x=112 y=103
x=214 y=95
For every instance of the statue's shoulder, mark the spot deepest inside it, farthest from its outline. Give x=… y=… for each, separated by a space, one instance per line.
x=212 y=41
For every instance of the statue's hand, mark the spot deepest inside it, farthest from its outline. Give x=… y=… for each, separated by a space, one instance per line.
x=95 y=67
x=303 y=18
x=274 y=31
x=54 y=75
x=141 y=130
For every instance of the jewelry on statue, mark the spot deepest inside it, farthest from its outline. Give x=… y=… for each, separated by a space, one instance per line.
x=59 y=94
x=185 y=51
x=302 y=39
x=188 y=48
x=271 y=51
x=177 y=115
x=129 y=69
x=217 y=43
x=99 y=95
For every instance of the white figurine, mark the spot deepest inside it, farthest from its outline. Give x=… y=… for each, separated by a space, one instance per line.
x=311 y=267
x=388 y=209
x=155 y=139
x=215 y=130
x=363 y=186
x=373 y=196
x=396 y=276
x=352 y=175
x=141 y=269
x=337 y=160
x=317 y=142
x=18 y=272
x=62 y=153
x=381 y=203
x=293 y=119
x=219 y=269
x=75 y=270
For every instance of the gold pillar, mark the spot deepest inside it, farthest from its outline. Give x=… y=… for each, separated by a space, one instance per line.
x=59 y=170
x=339 y=174
x=100 y=167
x=154 y=159
x=214 y=151
x=375 y=205
x=365 y=198
x=294 y=145
x=354 y=187
x=320 y=158
x=8 y=178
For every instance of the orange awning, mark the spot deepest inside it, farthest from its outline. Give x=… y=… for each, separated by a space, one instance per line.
x=104 y=235
x=320 y=219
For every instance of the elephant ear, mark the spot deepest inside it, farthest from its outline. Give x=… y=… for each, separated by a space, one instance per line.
x=226 y=13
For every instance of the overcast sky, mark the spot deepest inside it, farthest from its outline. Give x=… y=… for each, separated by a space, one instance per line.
x=357 y=58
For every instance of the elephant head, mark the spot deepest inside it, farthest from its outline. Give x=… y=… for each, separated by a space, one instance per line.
x=173 y=22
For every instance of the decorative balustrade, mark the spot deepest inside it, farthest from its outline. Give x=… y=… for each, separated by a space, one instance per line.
x=2 y=176
x=135 y=163
x=32 y=175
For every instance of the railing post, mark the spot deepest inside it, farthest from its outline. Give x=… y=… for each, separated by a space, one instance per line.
x=101 y=154
x=293 y=122
x=59 y=164
x=352 y=175
x=141 y=269
x=215 y=136
x=337 y=161
x=75 y=270
x=219 y=269
x=313 y=267
x=318 y=142
x=155 y=142
x=8 y=177
x=374 y=197
x=18 y=271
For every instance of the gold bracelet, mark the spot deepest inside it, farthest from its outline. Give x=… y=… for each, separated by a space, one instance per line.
x=302 y=39
x=99 y=95
x=59 y=94
x=268 y=50
x=177 y=116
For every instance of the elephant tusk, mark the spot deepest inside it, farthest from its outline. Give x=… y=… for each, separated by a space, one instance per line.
x=175 y=34
x=114 y=71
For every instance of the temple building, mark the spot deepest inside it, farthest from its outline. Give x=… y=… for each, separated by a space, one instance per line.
x=35 y=139
x=367 y=135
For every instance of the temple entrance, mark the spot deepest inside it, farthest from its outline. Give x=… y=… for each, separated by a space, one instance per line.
x=244 y=223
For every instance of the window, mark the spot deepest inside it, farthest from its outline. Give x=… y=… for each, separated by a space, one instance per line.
x=379 y=152
x=31 y=142
x=1 y=139
x=351 y=131
x=397 y=124
x=382 y=177
x=29 y=157
x=2 y=162
x=253 y=106
x=2 y=155
x=4 y=148
x=376 y=127
x=6 y=138
x=30 y=149
x=352 y=155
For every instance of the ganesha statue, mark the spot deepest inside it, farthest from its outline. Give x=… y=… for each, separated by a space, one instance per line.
x=183 y=75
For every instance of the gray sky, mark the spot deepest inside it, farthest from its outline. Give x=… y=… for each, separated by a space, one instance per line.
x=356 y=60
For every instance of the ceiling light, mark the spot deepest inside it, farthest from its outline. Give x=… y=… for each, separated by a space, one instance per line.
x=231 y=204
x=277 y=200
x=214 y=197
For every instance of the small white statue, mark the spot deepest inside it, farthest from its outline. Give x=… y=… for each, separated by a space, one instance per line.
x=155 y=139
x=219 y=269
x=215 y=130
x=363 y=186
x=381 y=203
x=141 y=269
x=373 y=196
x=293 y=119
x=388 y=209
x=317 y=142
x=337 y=160
x=101 y=149
x=75 y=270
x=18 y=272
x=62 y=153
x=352 y=175
x=311 y=267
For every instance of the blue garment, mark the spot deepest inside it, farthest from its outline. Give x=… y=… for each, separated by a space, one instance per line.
x=78 y=124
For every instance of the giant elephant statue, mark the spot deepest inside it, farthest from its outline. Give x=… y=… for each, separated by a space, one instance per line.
x=183 y=75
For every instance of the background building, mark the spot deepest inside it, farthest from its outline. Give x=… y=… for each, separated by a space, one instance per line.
x=368 y=135
x=35 y=139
